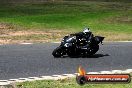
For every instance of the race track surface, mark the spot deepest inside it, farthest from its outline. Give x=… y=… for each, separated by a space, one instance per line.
x=20 y=61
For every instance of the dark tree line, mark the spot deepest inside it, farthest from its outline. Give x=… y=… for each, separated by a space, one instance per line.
x=22 y=1
x=28 y=1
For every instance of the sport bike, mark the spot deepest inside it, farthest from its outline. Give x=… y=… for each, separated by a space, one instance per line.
x=73 y=46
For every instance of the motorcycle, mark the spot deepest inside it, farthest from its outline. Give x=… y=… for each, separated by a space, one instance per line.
x=71 y=47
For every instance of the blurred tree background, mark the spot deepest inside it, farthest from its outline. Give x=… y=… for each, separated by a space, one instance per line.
x=33 y=1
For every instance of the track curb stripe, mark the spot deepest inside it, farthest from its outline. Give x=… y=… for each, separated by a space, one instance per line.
x=59 y=77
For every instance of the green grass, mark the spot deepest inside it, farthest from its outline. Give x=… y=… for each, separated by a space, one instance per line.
x=68 y=83
x=109 y=19
x=73 y=16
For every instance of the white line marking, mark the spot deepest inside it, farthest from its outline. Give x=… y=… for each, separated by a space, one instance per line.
x=128 y=70
x=105 y=72
x=93 y=73
x=123 y=41
x=55 y=42
x=116 y=71
x=26 y=43
x=4 y=82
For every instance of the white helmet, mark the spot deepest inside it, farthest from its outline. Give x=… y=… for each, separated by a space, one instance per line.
x=86 y=30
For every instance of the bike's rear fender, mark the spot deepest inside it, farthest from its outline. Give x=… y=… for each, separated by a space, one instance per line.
x=99 y=39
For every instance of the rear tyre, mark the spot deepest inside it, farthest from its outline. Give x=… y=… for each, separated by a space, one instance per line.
x=94 y=49
x=58 y=52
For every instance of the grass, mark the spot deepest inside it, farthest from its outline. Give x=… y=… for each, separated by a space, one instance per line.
x=68 y=83
x=102 y=17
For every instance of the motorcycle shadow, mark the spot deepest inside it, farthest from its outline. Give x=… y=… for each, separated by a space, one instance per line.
x=98 y=55
x=93 y=56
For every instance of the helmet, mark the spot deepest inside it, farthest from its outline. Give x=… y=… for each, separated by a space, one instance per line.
x=86 y=30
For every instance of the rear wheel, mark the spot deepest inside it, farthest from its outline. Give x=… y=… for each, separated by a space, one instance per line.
x=94 y=49
x=58 y=52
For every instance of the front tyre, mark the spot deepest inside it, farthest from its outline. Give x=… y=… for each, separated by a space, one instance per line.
x=58 y=52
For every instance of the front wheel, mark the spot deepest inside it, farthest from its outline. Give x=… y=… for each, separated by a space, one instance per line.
x=58 y=52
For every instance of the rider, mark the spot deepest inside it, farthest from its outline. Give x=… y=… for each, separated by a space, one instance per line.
x=85 y=36
x=88 y=34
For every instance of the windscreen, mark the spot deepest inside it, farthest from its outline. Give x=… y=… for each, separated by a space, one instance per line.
x=71 y=39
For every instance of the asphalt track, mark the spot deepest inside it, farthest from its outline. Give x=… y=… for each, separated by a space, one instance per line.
x=21 y=61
